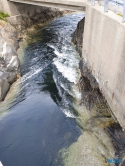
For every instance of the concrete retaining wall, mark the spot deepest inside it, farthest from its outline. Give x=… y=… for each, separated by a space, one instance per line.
x=1 y=5
x=17 y=10
x=8 y=7
x=32 y=10
x=104 y=54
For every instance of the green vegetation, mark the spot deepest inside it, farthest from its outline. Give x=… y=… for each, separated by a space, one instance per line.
x=119 y=14
x=3 y=16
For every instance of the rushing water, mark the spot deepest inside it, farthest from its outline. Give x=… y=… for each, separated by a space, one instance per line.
x=38 y=118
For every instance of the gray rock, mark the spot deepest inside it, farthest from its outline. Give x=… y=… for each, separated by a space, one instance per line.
x=6 y=79
x=8 y=51
x=9 y=61
x=78 y=37
x=13 y=64
x=4 y=88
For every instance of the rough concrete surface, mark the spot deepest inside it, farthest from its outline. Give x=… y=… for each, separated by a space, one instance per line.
x=103 y=53
x=63 y=4
x=8 y=7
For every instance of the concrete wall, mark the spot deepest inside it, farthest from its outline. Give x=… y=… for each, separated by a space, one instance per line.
x=32 y=10
x=1 y=5
x=8 y=7
x=27 y=14
x=104 y=54
x=60 y=4
x=16 y=8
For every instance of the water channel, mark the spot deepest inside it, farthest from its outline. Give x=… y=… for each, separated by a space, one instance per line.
x=39 y=118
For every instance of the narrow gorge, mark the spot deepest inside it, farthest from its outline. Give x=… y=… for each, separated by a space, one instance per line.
x=54 y=114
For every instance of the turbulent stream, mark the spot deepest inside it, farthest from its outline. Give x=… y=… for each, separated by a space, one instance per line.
x=40 y=116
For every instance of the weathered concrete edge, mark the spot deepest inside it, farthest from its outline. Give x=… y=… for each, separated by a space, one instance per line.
x=54 y=5
x=103 y=52
x=56 y=2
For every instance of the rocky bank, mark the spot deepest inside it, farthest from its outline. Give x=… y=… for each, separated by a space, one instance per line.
x=78 y=37
x=94 y=101
x=91 y=94
x=11 y=33
x=9 y=61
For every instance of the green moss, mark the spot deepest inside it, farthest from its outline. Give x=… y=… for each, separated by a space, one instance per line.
x=3 y=16
x=119 y=14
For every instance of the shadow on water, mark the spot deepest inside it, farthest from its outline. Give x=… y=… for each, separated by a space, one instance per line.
x=50 y=85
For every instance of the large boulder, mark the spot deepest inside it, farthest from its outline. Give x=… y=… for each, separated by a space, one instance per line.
x=9 y=61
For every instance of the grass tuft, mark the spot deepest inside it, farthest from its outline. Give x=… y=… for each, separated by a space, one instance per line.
x=119 y=14
x=3 y=16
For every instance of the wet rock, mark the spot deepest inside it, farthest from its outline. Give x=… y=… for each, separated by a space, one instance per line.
x=78 y=36
x=86 y=73
x=6 y=79
x=2 y=62
x=123 y=162
x=8 y=51
x=9 y=61
x=8 y=56
x=13 y=64
x=118 y=138
x=88 y=150
x=4 y=88
x=91 y=95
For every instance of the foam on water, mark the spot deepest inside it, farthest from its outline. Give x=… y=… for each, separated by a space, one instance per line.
x=64 y=104
x=30 y=75
x=66 y=63
x=68 y=113
x=66 y=67
x=1 y=164
x=67 y=72
x=65 y=107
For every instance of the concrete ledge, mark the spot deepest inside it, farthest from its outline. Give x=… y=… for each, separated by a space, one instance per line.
x=63 y=2
x=68 y=5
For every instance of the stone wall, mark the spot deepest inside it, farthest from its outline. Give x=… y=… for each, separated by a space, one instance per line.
x=104 y=55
